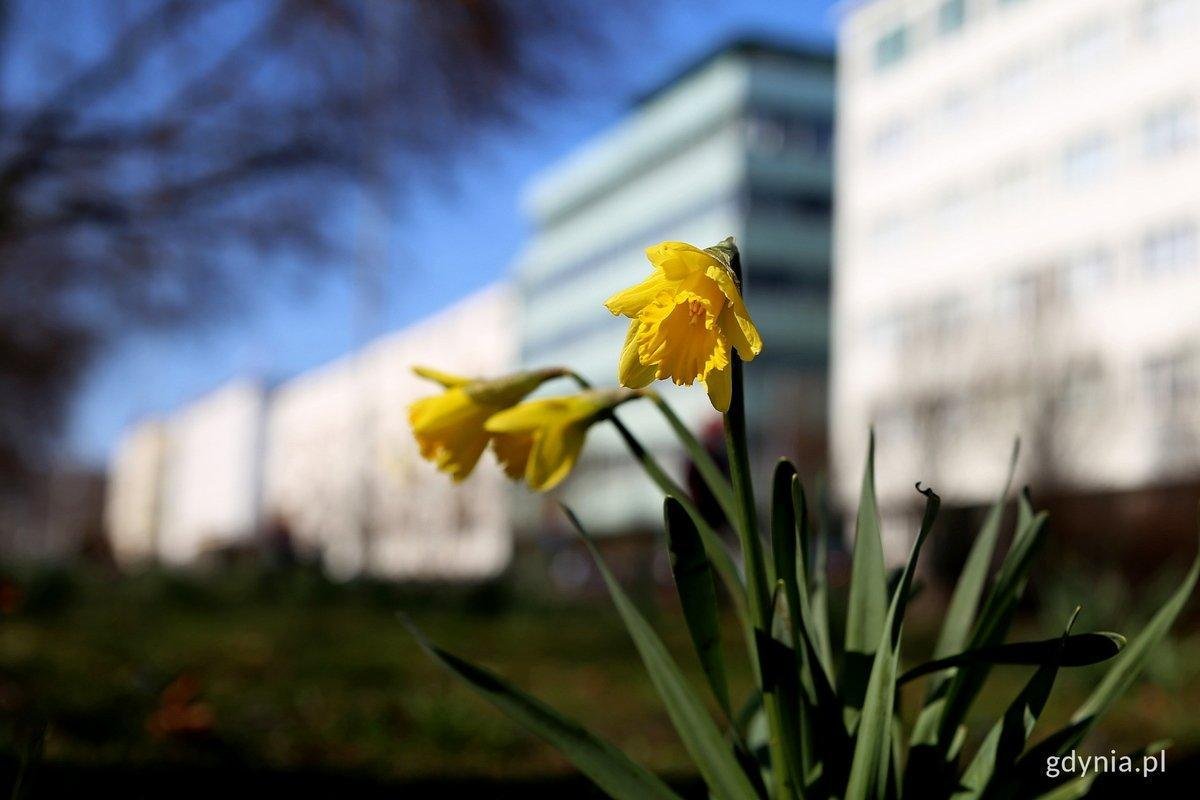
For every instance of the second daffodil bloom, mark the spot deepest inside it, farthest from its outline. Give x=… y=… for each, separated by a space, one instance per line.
x=686 y=318
x=449 y=427
x=549 y=434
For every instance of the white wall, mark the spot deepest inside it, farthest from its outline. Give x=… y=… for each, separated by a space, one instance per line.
x=956 y=182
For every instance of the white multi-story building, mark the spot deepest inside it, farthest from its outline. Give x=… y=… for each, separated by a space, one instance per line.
x=343 y=473
x=738 y=144
x=1017 y=243
x=328 y=458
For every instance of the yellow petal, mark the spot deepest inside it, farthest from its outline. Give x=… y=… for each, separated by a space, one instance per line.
x=448 y=409
x=631 y=301
x=543 y=413
x=444 y=378
x=741 y=334
x=512 y=452
x=555 y=451
x=677 y=260
x=449 y=431
x=720 y=388
x=737 y=324
x=632 y=372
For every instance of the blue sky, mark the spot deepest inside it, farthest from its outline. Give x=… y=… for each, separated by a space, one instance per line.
x=450 y=239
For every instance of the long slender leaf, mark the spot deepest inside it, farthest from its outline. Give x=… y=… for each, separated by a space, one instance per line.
x=611 y=769
x=697 y=596
x=708 y=468
x=819 y=583
x=1008 y=736
x=992 y=626
x=1080 y=650
x=710 y=752
x=1127 y=669
x=1028 y=775
x=718 y=555
x=868 y=580
x=871 y=766
x=783 y=533
x=956 y=625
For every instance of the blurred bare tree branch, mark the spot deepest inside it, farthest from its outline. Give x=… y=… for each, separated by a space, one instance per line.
x=187 y=132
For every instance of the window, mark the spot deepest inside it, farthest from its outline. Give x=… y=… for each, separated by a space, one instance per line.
x=813 y=205
x=888 y=231
x=952 y=208
x=886 y=332
x=1017 y=297
x=1170 y=380
x=1170 y=248
x=890 y=138
x=956 y=107
x=891 y=48
x=1087 y=273
x=1089 y=46
x=1169 y=130
x=1016 y=80
x=1161 y=18
x=1087 y=158
x=775 y=133
x=1014 y=184
x=1083 y=386
x=952 y=15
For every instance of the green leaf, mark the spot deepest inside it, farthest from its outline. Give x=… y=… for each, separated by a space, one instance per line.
x=1008 y=736
x=716 y=481
x=713 y=545
x=868 y=580
x=1028 y=774
x=994 y=621
x=611 y=769
x=783 y=532
x=1127 y=668
x=960 y=613
x=697 y=596
x=870 y=768
x=819 y=583
x=709 y=750
x=1080 y=650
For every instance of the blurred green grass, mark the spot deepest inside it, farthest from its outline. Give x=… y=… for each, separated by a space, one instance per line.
x=288 y=671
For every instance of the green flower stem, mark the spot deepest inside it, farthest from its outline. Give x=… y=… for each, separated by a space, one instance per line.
x=752 y=555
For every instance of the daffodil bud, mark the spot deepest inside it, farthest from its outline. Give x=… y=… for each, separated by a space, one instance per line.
x=542 y=439
x=449 y=427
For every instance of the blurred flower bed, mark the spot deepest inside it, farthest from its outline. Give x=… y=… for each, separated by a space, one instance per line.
x=286 y=671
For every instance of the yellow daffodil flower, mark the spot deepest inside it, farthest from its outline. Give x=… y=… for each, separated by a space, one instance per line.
x=686 y=318
x=546 y=436
x=449 y=427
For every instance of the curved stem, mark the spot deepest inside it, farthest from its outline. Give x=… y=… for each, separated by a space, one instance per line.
x=713 y=477
x=713 y=545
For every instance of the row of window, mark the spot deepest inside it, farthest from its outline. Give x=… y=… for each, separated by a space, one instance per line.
x=1090 y=44
x=1167 y=383
x=1170 y=248
x=778 y=133
x=1166 y=130
x=948 y=18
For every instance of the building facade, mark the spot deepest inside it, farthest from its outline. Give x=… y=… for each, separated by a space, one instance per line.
x=324 y=464
x=739 y=144
x=343 y=473
x=1017 y=242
